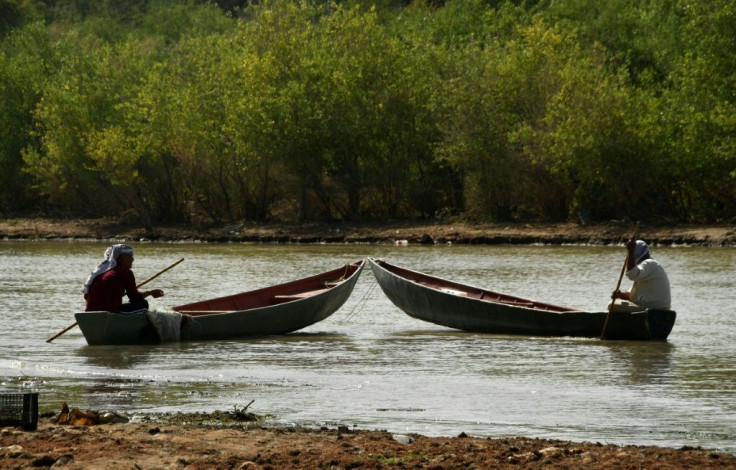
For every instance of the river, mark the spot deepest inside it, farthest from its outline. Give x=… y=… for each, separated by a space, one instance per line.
x=370 y=366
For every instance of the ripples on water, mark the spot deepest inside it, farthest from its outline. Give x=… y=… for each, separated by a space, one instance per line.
x=371 y=366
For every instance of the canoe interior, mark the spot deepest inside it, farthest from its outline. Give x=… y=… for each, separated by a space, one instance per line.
x=272 y=295
x=472 y=292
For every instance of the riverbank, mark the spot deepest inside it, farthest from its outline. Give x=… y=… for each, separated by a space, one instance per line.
x=614 y=232
x=199 y=442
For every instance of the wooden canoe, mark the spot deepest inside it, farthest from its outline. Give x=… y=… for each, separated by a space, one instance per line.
x=472 y=309
x=274 y=310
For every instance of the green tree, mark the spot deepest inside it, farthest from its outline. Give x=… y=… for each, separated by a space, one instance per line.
x=642 y=36
x=25 y=60
x=494 y=110
x=698 y=121
x=380 y=133
x=495 y=101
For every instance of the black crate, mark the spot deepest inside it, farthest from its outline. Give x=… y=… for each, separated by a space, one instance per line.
x=19 y=409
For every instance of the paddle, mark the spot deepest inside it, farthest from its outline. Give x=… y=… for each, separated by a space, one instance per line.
x=139 y=285
x=618 y=286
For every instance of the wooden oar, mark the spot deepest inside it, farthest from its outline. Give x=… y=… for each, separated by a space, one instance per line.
x=618 y=286
x=158 y=274
x=139 y=285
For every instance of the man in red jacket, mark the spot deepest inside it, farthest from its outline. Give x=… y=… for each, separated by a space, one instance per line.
x=111 y=280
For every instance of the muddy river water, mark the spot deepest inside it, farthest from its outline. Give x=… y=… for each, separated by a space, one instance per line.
x=370 y=366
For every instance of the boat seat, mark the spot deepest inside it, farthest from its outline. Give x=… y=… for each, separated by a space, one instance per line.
x=515 y=303
x=282 y=298
x=520 y=304
x=203 y=312
x=499 y=299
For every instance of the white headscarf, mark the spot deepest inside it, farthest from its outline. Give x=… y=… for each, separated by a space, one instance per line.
x=110 y=261
x=640 y=250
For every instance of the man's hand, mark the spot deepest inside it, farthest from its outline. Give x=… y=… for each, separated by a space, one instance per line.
x=155 y=293
x=617 y=294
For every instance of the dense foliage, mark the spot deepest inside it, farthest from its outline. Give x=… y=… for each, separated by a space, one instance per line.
x=185 y=111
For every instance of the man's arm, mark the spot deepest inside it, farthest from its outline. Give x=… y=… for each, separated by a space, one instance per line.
x=133 y=293
x=155 y=293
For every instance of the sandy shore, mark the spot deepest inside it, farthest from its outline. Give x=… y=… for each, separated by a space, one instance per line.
x=414 y=233
x=197 y=443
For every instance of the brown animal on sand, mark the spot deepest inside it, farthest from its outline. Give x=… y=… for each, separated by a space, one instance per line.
x=77 y=417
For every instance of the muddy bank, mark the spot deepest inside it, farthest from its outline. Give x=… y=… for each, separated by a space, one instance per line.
x=613 y=232
x=205 y=441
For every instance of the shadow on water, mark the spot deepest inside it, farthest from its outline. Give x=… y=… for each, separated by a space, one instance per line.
x=647 y=362
x=116 y=357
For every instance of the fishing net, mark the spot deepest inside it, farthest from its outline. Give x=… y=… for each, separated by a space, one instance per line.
x=167 y=324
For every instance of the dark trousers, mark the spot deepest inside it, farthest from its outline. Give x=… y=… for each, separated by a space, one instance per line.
x=137 y=306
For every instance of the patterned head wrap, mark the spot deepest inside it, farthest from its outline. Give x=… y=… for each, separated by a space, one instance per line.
x=640 y=250
x=111 y=260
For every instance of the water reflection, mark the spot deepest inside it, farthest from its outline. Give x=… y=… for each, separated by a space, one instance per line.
x=646 y=363
x=114 y=357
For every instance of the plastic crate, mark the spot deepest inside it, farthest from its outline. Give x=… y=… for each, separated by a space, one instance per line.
x=19 y=409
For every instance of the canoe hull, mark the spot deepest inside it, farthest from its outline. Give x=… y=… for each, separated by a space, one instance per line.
x=453 y=308
x=277 y=310
x=113 y=328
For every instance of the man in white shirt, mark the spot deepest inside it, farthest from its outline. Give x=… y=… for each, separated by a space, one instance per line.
x=651 y=287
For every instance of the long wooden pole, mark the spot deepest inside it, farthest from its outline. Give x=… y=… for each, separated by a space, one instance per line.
x=139 y=285
x=159 y=273
x=618 y=286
